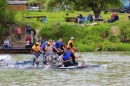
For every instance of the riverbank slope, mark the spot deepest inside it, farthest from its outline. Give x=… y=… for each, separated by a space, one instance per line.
x=104 y=36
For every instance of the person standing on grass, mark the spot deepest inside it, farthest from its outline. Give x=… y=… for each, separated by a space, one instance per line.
x=28 y=29
x=19 y=31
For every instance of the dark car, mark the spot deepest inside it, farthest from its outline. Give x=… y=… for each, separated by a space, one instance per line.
x=125 y=10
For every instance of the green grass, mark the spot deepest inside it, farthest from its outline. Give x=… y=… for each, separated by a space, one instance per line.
x=88 y=38
x=55 y=17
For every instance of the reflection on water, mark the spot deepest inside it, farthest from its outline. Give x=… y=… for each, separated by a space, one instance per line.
x=116 y=74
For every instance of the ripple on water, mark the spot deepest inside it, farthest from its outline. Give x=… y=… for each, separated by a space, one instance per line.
x=115 y=74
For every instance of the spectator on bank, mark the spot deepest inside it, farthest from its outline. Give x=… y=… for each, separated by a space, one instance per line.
x=41 y=40
x=79 y=18
x=28 y=29
x=28 y=40
x=19 y=31
x=45 y=19
x=114 y=17
x=90 y=18
x=6 y=44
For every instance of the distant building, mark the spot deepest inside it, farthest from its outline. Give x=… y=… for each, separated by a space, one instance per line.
x=17 y=5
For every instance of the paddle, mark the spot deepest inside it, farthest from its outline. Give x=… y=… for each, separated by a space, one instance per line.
x=83 y=62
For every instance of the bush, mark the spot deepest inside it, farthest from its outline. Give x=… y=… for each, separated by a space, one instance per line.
x=122 y=47
x=10 y=15
x=3 y=5
x=84 y=38
x=2 y=30
x=88 y=38
x=124 y=26
x=86 y=48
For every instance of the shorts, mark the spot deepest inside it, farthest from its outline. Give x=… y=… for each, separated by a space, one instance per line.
x=36 y=54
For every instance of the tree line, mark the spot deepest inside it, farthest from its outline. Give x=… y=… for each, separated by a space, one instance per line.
x=95 y=5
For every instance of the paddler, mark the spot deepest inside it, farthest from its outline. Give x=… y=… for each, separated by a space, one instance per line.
x=66 y=58
x=59 y=46
x=37 y=51
x=70 y=45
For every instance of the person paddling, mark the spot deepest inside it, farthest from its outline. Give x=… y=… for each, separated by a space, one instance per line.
x=59 y=46
x=37 y=51
x=70 y=45
x=66 y=58
x=49 y=49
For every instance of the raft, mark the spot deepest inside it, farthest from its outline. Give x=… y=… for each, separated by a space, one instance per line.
x=79 y=67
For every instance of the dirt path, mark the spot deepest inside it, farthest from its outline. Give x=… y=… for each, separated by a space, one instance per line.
x=13 y=37
x=19 y=43
x=11 y=34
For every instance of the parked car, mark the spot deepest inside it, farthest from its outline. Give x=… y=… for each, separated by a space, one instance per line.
x=125 y=10
x=33 y=8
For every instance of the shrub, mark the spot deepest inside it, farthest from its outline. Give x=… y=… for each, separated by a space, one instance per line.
x=2 y=30
x=122 y=47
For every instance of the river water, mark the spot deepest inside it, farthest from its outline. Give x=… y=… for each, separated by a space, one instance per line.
x=115 y=73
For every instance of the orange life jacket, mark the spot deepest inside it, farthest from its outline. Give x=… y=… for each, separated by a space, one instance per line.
x=36 y=48
x=48 y=48
x=68 y=45
x=51 y=44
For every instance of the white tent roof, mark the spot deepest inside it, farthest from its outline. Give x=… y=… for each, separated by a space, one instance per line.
x=16 y=2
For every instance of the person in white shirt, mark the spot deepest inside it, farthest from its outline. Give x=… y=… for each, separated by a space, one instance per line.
x=6 y=44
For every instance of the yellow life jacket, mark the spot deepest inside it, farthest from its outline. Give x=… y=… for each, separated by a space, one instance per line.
x=36 y=48
x=51 y=44
x=68 y=45
x=39 y=43
x=47 y=48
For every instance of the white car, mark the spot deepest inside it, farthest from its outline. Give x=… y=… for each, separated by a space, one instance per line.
x=33 y=8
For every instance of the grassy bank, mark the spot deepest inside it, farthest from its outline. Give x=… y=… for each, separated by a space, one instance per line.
x=88 y=38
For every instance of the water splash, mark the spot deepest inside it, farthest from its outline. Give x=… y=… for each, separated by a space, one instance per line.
x=5 y=60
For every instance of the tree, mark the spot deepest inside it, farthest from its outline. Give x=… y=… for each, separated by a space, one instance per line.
x=96 y=5
x=49 y=4
x=3 y=5
x=40 y=2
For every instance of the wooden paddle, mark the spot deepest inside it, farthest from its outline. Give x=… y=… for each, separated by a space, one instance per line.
x=83 y=62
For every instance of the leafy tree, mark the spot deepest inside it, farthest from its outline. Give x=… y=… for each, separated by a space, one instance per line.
x=49 y=4
x=3 y=5
x=96 y=5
